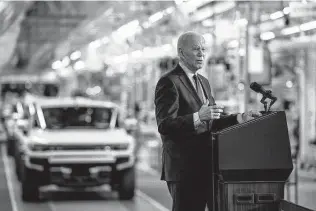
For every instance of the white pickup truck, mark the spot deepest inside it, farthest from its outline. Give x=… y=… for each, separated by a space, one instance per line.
x=75 y=142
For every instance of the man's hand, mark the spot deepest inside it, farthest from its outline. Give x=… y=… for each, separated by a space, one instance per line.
x=207 y=112
x=244 y=117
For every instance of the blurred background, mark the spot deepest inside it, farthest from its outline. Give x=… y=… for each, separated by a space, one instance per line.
x=117 y=50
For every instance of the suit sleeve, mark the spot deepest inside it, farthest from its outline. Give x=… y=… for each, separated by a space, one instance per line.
x=167 y=107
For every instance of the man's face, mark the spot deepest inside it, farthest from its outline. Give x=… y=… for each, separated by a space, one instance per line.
x=192 y=52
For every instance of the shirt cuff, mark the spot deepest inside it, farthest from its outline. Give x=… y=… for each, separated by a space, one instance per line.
x=239 y=118
x=196 y=120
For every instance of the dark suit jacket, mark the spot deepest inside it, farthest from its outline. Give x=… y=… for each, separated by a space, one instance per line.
x=186 y=154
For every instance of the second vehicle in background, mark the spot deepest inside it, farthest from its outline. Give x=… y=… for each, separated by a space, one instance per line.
x=77 y=143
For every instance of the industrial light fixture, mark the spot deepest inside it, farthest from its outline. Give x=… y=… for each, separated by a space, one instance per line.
x=286 y=10
x=267 y=36
x=155 y=17
x=105 y=40
x=95 y=44
x=66 y=61
x=136 y=54
x=56 y=65
x=233 y=44
x=276 y=15
x=218 y=8
x=242 y=22
x=75 y=55
x=290 y=30
x=207 y=23
x=169 y=10
x=308 y=26
x=79 y=65
x=120 y=59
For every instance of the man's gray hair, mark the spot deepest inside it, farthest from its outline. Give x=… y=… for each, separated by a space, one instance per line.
x=183 y=39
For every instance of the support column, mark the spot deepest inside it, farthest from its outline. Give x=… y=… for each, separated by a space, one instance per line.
x=246 y=67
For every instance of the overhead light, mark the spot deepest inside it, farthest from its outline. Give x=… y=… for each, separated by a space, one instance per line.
x=137 y=54
x=110 y=72
x=233 y=44
x=126 y=31
x=192 y=5
x=267 y=36
x=57 y=64
x=146 y=24
x=289 y=84
x=75 y=55
x=207 y=12
x=95 y=44
x=241 y=86
x=203 y=14
x=155 y=17
x=147 y=50
x=286 y=10
x=207 y=23
x=169 y=10
x=308 y=26
x=121 y=58
x=178 y=2
x=264 y=17
x=3 y=5
x=93 y=90
x=105 y=40
x=66 y=61
x=166 y=47
x=242 y=22
x=276 y=15
x=242 y=52
x=50 y=75
x=79 y=65
x=208 y=38
x=290 y=30
x=131 y=26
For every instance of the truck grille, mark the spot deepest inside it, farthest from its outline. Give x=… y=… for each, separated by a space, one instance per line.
x=84 y=147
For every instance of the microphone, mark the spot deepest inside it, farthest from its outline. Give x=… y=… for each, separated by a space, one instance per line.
x=259 y=89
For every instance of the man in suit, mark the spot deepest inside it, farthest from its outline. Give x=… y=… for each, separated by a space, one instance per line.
x=185 y=113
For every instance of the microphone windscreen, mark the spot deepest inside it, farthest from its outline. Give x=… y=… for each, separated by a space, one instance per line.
x=255 y=87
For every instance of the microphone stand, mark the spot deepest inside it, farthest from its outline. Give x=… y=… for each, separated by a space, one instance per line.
x=265 y=103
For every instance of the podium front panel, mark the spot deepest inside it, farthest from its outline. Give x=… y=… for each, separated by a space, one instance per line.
x=255 y=150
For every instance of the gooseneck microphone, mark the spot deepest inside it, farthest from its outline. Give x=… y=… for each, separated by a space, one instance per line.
x=259 y=89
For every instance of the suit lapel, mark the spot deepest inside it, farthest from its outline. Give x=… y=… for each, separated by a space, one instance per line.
x=187 y=83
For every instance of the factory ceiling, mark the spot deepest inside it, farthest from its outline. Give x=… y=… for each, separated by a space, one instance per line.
x=36 y=33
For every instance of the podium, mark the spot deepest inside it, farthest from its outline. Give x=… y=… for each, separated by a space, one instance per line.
x=251 y=163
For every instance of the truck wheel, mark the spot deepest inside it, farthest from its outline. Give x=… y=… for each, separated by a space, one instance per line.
x=126 y=187
x=29 y=189
x=18 y=167
x=10 y=150
x=30 y=192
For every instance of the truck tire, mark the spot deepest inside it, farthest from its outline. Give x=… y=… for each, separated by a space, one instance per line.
x=126 y=188
x=10 y=147
x=18 y=167
x=29 y=189
x=30 y=192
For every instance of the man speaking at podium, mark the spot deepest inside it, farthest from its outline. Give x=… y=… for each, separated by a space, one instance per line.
x=186 y=112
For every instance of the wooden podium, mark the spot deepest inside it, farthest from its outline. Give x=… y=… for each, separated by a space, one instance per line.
x=252 y=161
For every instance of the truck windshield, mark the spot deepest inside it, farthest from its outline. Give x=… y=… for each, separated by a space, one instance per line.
x=77 y=117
